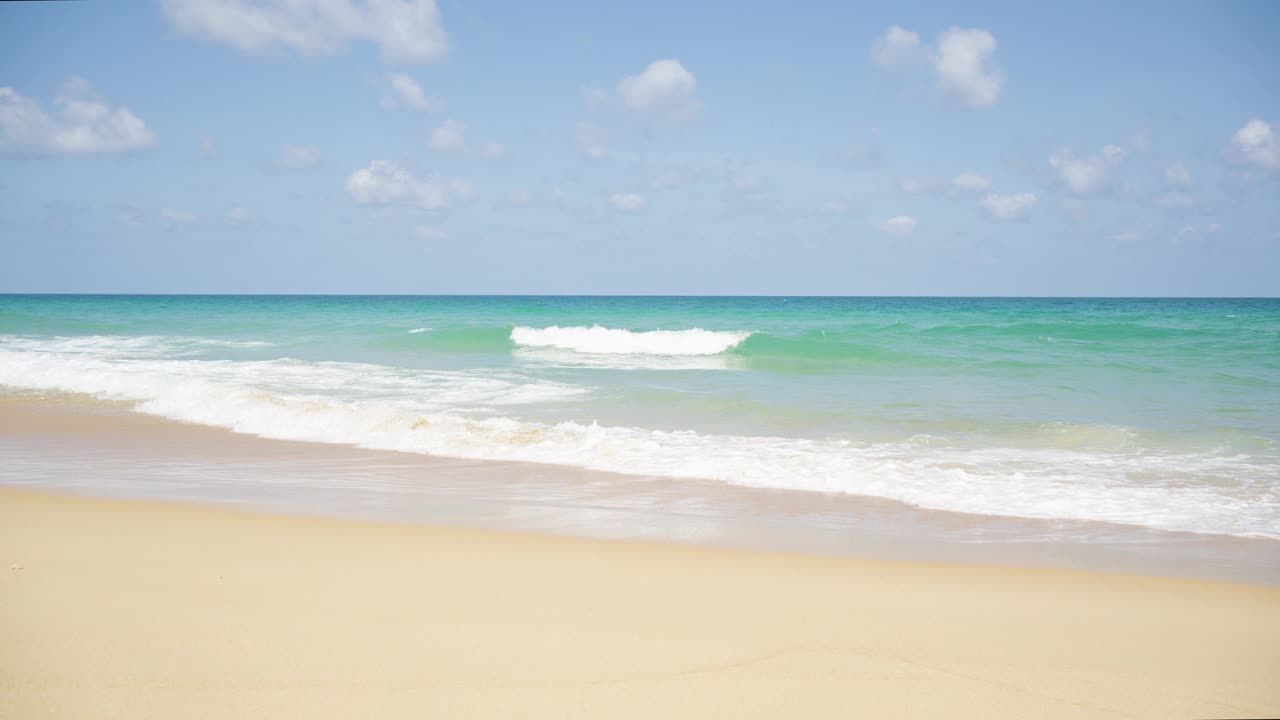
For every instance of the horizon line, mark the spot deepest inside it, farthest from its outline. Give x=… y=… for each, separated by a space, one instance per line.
x=639 y=295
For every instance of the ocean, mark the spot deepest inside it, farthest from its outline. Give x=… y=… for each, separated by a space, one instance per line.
x=1162 y=414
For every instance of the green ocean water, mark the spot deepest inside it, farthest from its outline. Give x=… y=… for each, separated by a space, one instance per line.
x=1156 y=412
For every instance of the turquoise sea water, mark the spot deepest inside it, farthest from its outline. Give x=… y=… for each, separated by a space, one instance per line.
x=1162 y=413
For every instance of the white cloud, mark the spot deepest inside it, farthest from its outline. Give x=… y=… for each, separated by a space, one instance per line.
x=407 y=31
x=965 y=76
x=961 y=61
x=628 y=202
x=448 y=137
x=384 y=183
x=493 y=150
x=1009 y=207
x=237 y=215
x=1177 y=174
x=409 y=94
x=297 y=158
x=971 y=182
x=80 y=123
x=1255 y=144
x=1086 y=174
x=897 y=50
x=899 y=225
x=664 y=89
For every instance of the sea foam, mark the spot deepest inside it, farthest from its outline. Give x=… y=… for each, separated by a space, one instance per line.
x=609 y=341
x=455 y=414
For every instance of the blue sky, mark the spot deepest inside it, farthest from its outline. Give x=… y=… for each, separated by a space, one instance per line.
x=606 y=148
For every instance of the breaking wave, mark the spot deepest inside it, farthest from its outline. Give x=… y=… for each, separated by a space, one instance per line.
x=599 y=340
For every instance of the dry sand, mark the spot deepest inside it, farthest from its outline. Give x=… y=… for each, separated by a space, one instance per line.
x=140 y=610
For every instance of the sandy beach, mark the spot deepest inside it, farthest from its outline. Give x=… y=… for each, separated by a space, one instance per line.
x=405 y=359
x=128 y=609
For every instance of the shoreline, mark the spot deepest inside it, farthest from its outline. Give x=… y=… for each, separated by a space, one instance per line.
x=147 y=609
x=80 y=446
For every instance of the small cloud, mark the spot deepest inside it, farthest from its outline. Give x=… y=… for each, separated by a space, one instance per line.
x=897 y=50
x=971 y=182
x=80 y=123
x=900 y=225
x=1254 y=144
x=1009 y=207
x=961 y=60
x=237 y=215
x=966 y=78
x=664 y=89
x=409 y=94
x=1084 y=175
x=448 y=137
x=493 y=151
x=628 y=202
x=299 y=158
x=406 y=32
x=384 y=183
x=1177 y=174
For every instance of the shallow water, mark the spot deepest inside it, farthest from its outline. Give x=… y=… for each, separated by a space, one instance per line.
x=1156 y=413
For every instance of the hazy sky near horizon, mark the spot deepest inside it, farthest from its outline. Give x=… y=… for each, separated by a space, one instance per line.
x=390 y=146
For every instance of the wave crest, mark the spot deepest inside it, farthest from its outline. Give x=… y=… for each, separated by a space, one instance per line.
x=599 y=340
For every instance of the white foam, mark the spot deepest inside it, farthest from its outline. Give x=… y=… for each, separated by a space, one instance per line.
x=426 y=412
x=415 y=331
x=116 y=346
x=609 y=341
x=129 y=370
